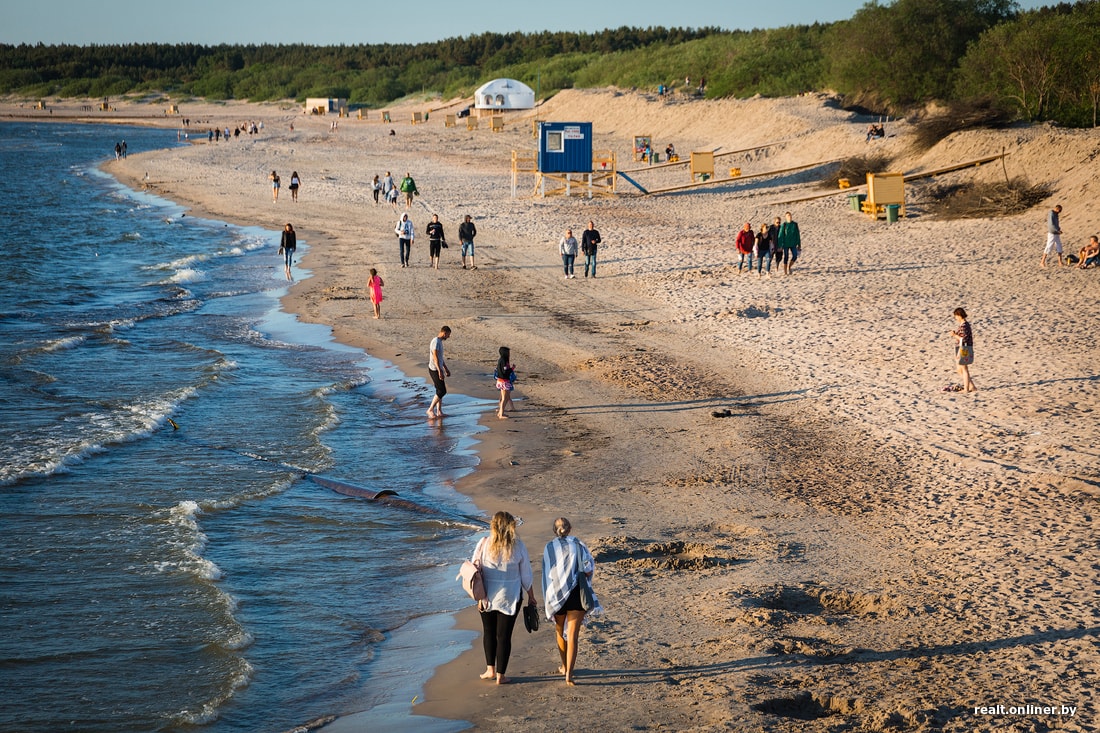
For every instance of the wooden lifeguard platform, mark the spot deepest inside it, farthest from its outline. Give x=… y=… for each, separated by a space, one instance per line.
x=599 y=182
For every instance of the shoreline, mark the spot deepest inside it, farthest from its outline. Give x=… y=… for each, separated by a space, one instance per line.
x=790 y=520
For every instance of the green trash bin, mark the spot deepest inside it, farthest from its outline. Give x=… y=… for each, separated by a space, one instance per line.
x=892 y=213
x=853 y=201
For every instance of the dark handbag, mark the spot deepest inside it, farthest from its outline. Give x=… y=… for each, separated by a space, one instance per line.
x=584 y=588
x=531 y=617
x=588 y=598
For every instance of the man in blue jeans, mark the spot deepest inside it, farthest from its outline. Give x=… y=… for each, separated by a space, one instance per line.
x=590 y=241
x=466 y=233
x=405 y=235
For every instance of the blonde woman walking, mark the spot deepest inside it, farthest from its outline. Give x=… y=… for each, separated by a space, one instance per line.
x=506 y=569
x=566 y=564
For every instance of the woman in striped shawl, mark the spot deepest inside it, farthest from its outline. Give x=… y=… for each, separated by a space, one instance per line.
x=563 y=560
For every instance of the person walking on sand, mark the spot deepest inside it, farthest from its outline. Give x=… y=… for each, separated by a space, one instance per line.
x=566 y=565
x=406 y=233
x=389 y=190
x=763 y=249
x=438 y=371
x=567 y=248
x=295 y=182
x=274 y=186
x=375 y=283
x=408 y=187
x=287 y=245
x=745 y=242
x=964 y=349
x=376 y=188
x=1054 y=237
x=790 y=243
x=590 y=242
x=466 y=233
x=505 y=375
x=506 y=570
x=436 y=240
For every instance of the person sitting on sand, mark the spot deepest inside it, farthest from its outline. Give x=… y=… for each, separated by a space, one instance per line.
x=1090 y=254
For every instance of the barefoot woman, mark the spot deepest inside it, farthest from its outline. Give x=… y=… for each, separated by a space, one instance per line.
x=507 y=572
x=563 y=561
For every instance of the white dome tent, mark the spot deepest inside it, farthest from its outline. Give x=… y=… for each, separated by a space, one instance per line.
x=504 y=94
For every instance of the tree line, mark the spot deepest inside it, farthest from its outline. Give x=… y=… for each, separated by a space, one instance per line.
x=1034 y=65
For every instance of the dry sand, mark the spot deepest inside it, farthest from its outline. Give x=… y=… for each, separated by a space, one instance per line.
x=796 y=529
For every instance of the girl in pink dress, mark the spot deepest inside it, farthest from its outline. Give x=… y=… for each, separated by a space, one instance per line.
x=375 y=283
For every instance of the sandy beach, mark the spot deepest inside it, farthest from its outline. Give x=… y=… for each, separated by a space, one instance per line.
x=795 y=527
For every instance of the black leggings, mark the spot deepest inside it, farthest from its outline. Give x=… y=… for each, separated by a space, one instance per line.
x=497 y=639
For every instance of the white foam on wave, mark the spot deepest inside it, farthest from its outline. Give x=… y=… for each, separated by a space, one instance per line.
x=63 y=344
x=208 y=712
x=58 y=446
x=187 y=275
x=180 y=263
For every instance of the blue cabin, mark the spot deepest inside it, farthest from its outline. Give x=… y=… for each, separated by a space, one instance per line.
x=565 y=147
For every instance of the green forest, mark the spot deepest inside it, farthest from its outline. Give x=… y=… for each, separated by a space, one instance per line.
x=891 y=58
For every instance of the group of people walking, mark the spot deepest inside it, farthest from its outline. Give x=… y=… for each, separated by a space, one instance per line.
x=567 y=569
x=779 y=242
x=568 y=248
x=437 y=240
x=277 y=182
x=390 y=191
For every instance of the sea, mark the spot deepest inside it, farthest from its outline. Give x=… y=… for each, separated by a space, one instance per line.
x=167 y=560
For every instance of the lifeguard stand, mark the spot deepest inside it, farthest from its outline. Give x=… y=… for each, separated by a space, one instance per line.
x=566 y=163
x=702 y=164
x=643 y=147
x=884 y=189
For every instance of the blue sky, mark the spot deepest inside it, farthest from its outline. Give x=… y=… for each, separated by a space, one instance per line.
x=322 y=22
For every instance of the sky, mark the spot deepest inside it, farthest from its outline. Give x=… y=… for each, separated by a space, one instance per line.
x=334 y=22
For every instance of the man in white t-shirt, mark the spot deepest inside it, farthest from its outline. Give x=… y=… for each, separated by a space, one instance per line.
x=437 y=369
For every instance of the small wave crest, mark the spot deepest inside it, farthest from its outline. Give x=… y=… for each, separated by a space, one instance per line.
x=207 y=713
x=52 y=449
x=62 y=344
x=187 y=275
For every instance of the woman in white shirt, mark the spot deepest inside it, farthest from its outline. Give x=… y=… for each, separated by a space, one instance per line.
x=506 y=568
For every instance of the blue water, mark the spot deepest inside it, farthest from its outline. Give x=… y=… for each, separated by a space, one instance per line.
x=162 y=579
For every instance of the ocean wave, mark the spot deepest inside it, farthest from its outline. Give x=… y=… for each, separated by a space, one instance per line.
x=180 y=263
x=130 y=237
x=52 y=449
x=207 y=713
x=61 y=344
x=186 y=275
